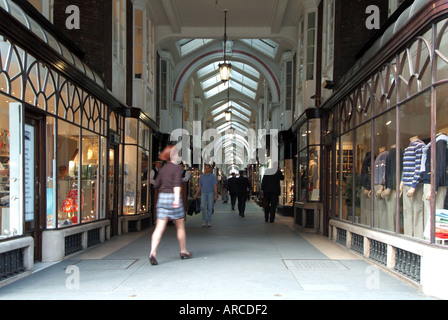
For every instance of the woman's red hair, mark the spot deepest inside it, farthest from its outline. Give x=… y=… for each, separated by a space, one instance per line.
x=165 y=155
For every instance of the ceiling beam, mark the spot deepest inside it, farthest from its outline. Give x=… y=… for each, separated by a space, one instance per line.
x=172 y=14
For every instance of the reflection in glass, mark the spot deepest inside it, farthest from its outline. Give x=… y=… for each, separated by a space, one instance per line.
x=363 y=190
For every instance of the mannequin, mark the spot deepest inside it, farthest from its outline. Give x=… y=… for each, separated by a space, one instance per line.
x=390 y=186
x=441 y=179
x=379 y=175
x=412 y=186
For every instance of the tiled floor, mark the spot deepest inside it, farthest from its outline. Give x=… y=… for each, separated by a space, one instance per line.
x=237 y=259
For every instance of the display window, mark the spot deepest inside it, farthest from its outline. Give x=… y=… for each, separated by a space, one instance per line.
x=308 y=159
x=396 y=145
x=136 y=199
x=386 y=156
x=415 y=134
x=363 y=181
x=345 y=174
x=9 y=219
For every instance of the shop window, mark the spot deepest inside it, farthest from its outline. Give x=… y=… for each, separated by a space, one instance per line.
x=303 y=175
x=69 y=106
x=414 y=67
x=9 y=219
x=70 y=198
x=346 y=179
x=384 y=171
x=415 y=134
x=41 y=88
x=363 y=187
x=91 y=156
x=440 y=217
x=51 y=211
x=385 y=89
x=130 y=179
x=442 y=51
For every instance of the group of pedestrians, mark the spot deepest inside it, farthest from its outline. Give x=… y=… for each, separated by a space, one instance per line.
x=170 y=205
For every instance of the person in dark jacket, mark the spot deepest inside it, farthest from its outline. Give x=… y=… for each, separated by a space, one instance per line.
x=270 y=189
x=243 y=191
x=233 y=189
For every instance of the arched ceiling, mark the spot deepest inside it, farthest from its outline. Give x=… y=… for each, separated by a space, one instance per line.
x=259 y=32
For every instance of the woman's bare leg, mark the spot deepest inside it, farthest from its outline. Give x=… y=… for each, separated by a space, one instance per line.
x=181 y=235
x=157 y=236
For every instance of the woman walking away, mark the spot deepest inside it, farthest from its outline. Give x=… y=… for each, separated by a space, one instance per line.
x=169 y=204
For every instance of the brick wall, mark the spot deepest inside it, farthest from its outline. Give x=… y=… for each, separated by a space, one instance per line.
x=95 y=34
x=351 y=32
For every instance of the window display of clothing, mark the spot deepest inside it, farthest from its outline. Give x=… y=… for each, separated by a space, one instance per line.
x=412 y=191
x=390 y=185
x=441 y=179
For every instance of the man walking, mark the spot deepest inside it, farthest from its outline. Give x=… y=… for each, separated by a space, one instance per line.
x=243 y=191
x=208 y=188
x=233 y=189
x=270 y=189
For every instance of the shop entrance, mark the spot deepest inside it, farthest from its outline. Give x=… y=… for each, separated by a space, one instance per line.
x=34 y=177
x=112 y=210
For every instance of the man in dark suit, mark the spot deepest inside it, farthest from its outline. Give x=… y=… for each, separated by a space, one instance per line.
x=270 y=188
x=232 y=187
x=243 y=191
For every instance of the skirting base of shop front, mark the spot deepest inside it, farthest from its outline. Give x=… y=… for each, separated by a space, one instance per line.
x=308 y=217
x=58 y=244
x=421 y=265
x=23 y=250
x=136 y=223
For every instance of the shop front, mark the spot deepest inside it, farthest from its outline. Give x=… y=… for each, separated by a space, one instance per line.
x=388 y=130
x=308 y=213
x=59 y=131
x=136 y=212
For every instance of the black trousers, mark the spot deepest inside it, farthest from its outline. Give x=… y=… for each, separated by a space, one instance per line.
x=269 y=211
x=242 y=198
x=233 y=200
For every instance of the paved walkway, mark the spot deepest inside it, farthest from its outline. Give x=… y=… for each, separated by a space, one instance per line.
x=237 y=259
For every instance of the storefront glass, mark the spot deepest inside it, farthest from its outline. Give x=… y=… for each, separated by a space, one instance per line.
x=9 y=220
x=363 y=189
x=384 y=171
x=137 y=163
x=400 y=181
x=415 y=134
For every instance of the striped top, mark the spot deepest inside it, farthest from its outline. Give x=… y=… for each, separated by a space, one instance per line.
x=412 y=159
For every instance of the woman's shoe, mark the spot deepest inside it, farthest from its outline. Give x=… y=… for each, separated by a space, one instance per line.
x=186 y=255
x=153 y=261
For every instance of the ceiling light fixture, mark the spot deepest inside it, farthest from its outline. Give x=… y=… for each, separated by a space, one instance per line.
x=225 y=68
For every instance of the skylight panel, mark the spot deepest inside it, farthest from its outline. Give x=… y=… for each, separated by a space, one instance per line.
x=208 y=69
x=246 y=69
x=242 y=109
x=187 y=46
x=265 y=46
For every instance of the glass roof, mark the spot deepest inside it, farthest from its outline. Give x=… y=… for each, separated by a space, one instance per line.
x=243 y=78
x=265 y=46
x=186 y=46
